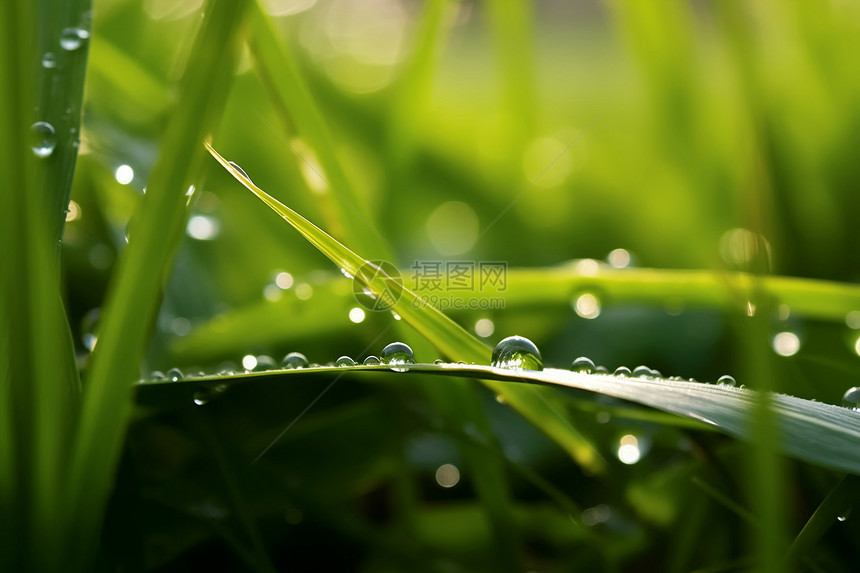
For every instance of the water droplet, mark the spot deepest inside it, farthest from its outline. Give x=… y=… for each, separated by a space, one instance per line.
x=851 y=398
x=201 y=396
x=344 y=361
x=619 y=258
x=43 y=138
x=49 y=60
x=294 y=360
x=89 y=328
x=438 y=361
x=601 y=370
x=264 y=363
x=583 y=364
x=70 y=39
x=726 y=380
x=356 y=315
x=239 y=169
x=371 y=360
x=623 y=372
x=501 y=399
x=517 y=353
x=844 y=515
x=157 y=375
x=642 y=372
x=174 y=374
x=398 y=354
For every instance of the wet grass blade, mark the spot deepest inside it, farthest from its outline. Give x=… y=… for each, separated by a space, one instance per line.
x=134 y=295
x=39 y=384
x=815 y=432
x=540 y=408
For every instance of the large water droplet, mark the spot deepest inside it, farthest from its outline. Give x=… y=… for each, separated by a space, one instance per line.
x=174 y=374
x=623 y=372
x=851 y=398
x=583 y=364
x=344 y=361
x=43 y=138
x=70 y=38
x=726 y=380
x=294 y=360
x=264 y=363
x=517 y=353
x=371 y=360
x=398 y=354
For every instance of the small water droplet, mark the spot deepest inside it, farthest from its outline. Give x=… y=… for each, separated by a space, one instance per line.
x=89 y=328
x=371 y=360
x=642 y=372
x=201 y=396
x=264 y=363
x=438 y=361
x=174 y=374
x=501 y=399
x=623 y=372
x=398 y=354
x=294 y=360
x=43 y=138
x=344 y=361
x=844 y=515
x=583 y=364
x=851 y=398
x=726 y=380
x=49 y=60
x=601 y=370
x=517 y=353
x=239 y=169
x=157 y=375
x=70 y=39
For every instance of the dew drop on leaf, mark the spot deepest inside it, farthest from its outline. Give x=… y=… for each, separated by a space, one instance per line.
x=583 y=364
x=70 y=38
x=43 y=138
x=294 y=360
x=623 y=372
x=174 y=374
x=201 y=397
x=726 y=380
x=642 y=372
x=851 y=398
x=398 y=354
x=264 y=363
x=344 y=361
x=517 y=353
x=371 y=360
x=49 y=60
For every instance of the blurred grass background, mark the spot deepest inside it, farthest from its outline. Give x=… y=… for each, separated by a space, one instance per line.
x=692 y=136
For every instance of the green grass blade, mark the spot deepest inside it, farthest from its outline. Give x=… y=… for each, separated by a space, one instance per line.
x=39 y=378
x=134 y=295
x=815 y=432
x=449 y=338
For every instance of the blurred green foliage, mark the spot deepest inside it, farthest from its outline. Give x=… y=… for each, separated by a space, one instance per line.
x=695 y=136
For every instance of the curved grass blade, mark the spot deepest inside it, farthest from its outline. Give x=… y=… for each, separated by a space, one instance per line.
x=540 y=408
x=815 y=432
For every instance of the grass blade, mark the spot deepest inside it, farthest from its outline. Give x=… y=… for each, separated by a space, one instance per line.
x=134 y=295
x=815 y=432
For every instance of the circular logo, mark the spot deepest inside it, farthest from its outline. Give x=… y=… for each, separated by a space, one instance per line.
x=377 y=285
